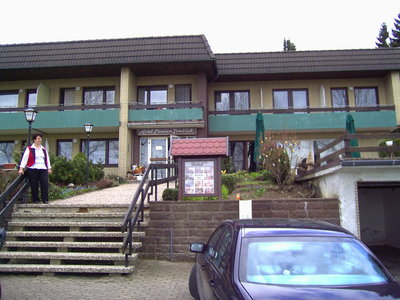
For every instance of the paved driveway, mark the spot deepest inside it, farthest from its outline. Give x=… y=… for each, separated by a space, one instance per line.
x=151 y=280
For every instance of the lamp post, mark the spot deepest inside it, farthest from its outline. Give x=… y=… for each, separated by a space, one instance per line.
x=30 y=116
x=88 y=129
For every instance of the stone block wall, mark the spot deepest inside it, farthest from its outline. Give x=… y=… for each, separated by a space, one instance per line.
x=174 y=225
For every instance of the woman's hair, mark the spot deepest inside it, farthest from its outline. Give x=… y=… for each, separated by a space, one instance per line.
x=35 y=136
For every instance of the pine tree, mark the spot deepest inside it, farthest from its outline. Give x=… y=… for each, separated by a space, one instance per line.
x=383 y=37
x=395 y=41
x=288 y=45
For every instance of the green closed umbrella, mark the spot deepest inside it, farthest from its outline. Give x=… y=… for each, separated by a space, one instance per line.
x=350 y=128
x=260 y=136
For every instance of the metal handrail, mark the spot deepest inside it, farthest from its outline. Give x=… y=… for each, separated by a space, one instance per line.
x=133 y=217
x=7 y=206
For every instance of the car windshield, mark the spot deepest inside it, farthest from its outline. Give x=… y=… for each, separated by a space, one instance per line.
x=307 y=261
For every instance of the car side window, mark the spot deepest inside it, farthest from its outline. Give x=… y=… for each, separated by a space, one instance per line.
x=219 y=246
x=212 y=243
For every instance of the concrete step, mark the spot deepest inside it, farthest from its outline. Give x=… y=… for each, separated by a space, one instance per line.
x=66 y=269
x=72 y=234
x=73 y=208
x=67 y=245
x=62 y=217
x=68 y=224
x=66 y=256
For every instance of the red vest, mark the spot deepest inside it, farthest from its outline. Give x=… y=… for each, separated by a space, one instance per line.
x=31 y=157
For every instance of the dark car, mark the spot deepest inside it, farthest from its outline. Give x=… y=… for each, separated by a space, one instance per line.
x=287 y=259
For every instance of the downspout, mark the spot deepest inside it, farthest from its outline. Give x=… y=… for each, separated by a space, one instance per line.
x=322 y=95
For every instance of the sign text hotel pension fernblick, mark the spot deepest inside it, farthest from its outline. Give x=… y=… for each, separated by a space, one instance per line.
x=166 y=131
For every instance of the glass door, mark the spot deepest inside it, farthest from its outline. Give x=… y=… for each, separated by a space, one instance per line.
x=154 y=150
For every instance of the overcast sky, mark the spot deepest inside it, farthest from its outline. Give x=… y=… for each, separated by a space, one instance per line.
x=229 y=25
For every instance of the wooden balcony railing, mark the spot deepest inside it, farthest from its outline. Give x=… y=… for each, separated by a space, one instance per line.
x=302 y=110
x=139 y=106
x=345 y=153
x=61 y=107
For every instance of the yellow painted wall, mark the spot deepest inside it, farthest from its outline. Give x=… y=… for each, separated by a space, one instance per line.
x=169 y=81
x=56 y=84
x=313 y=86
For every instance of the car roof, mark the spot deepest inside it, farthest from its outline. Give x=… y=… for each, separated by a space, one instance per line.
x=302 y=224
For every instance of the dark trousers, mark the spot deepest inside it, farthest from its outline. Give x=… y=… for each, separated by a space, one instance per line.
x=36 y=176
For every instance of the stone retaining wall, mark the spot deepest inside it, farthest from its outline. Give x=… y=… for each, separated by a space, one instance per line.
x=174 y=225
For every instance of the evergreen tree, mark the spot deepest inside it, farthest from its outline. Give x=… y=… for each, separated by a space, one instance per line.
x=288 y=45
x=383 y=37
x=395 y=41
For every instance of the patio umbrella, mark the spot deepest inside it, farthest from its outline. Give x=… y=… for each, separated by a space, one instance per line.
x=350 y=128
x=260 y=136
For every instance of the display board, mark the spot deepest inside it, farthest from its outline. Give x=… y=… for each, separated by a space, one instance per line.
x=199 y=177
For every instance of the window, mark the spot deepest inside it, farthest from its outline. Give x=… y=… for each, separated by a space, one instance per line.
x=152 y=95
x=99 y=96
x=6 y=152
x=102 y=151
x=31 y=98
x=218 y=246
x=339 y=97
x=64 y=148
x=183 y=93
x=8 y=99
x=232 y=100
x=366 y=97
x=285 y=99
x=67 y=96
x=305 y=261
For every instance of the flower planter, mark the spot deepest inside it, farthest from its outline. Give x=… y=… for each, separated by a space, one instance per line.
x=9 y=166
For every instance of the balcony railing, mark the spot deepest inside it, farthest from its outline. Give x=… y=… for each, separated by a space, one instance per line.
x=61 y=107
x=336 y=157
x=140 y=106
x=292 y=110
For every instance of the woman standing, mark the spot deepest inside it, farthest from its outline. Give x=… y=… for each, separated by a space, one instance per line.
x=37 y=163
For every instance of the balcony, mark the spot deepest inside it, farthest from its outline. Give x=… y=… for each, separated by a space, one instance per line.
x=340 y=153
x=166 y=115
x=302 y=119
x=56 y=118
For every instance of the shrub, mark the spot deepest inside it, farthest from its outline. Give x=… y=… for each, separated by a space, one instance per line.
x=225 y=192
x=74 y=171
x=116 y=178
x=170 y=194
x=396 y=142
x=6 y=179
x=227 y=165
x=230 y=181
x=277 y=154
x=56 y=192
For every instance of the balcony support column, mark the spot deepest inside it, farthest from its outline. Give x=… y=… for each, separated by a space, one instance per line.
x=394 y=92
x=127 y=92
x=201 y=96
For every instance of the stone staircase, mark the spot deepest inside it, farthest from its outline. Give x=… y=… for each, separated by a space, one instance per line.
x=66 y=238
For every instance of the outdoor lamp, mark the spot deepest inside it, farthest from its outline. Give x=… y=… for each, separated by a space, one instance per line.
x=30 y=116
x=88 y=129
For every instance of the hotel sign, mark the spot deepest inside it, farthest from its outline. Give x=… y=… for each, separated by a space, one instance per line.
x=166 y=131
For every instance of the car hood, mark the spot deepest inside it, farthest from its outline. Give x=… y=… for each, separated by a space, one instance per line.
x=273 y=292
